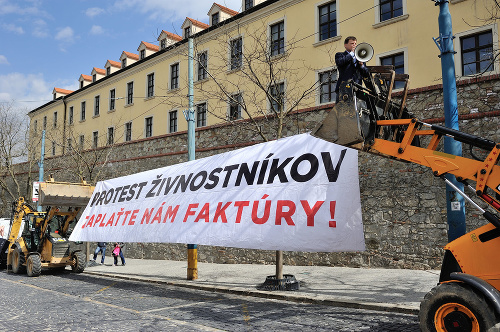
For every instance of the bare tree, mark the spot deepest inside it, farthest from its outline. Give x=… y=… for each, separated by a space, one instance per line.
x=16 y=154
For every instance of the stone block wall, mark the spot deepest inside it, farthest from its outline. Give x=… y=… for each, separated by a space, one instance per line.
x=403 y=204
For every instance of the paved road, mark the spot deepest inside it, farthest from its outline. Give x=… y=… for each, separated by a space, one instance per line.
x=78 y=302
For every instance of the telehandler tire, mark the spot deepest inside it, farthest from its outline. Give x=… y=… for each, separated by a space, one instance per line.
x=33 y=266
x=455 y=306
x=78 y=264
x=18 y=261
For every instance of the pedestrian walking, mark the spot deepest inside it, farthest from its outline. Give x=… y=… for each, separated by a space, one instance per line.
x=118 y=251
x=101 y=247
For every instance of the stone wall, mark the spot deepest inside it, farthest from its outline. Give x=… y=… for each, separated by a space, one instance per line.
x=404 y=206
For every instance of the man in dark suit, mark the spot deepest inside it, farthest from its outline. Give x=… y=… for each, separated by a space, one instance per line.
x=348 y=66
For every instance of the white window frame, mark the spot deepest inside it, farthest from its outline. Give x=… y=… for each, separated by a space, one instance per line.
x=147 y=83
x=97 y=106
x=125 y=132
x=319 y=42
x=242 y=52
x=177 y=120
x=95 y=144
x=110 y=101
x=229 y=107
x=198 y=65
x=282 y=19
x=318 y=73
x=126 y=93
x=107 y=134
x=403 y=50
x=269 y=110
x=152 y=123
x=458 y=49
x=379 y=23
x=206 y=113
x=170 y=76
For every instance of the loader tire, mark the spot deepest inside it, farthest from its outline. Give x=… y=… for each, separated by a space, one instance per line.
x=78 y=264
x=453 y=307
x=34 y=266
x=18 y=261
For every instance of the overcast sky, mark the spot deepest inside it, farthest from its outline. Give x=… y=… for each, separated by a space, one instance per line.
x=50 y=43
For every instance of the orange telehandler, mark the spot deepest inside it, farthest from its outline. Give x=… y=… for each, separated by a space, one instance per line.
x=467 y=297
x=39 y=240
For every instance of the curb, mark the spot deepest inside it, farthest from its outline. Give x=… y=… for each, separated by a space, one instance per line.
x=276 y=295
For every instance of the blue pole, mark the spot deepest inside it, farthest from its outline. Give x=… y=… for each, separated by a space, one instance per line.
x=454 y=202
x=192 y=272
x=40 y=166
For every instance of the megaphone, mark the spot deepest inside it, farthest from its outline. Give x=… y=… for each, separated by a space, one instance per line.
x=363 y=52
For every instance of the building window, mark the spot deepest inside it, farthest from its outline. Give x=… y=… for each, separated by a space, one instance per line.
x=81 y=84
x=142 y=54
x=398 y=61
x=248 y=4
x=215 y=18
x=108 y=71
x=124 y=63
x=172 y=121
x=277 y=94
x=187 y=32
x=70 y=144
x=327 y=21
x=82 y=111
x=163 y=44
x=82 y=141
x=94 y=78
x=477 y=53
x=53 y=148
x=149 y=126
x=201 y=115
x=390 y=9
x=174 y=76
x=278 y=38
x=235 y=107
x=71 y=115
x=96 y=105
x=202 y=66
x=130 y=93
x=95 y=139
x=35 y=127
x=55 y=119
x=112 y=98
x=327 y=81
x=151 y=85
x=111 y=135
x=236 y=53
x=128 y=131
x=45 y=123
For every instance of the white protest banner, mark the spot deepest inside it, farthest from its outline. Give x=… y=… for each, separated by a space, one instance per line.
x=298 y=193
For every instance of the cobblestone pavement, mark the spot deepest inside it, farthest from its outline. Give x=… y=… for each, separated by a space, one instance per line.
x=77 y=302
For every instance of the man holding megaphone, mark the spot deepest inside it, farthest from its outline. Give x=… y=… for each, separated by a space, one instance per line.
x=349 y=65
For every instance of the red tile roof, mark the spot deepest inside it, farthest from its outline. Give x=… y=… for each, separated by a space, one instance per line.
x=131 y=55
x=172 y=35
x=99 y=71
x=86 y=77
x=198 y=23
x=150 y=46
x=63 y=91
x=115 y=63
x=227 y=10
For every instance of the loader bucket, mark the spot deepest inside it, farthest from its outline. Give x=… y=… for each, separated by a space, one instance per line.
x=65 y=194
x=342 y=125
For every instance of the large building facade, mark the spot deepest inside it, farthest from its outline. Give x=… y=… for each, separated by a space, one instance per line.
x=276 y=58
x=273 y=57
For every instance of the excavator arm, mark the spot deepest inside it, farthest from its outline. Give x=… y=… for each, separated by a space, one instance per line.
x=368 y=119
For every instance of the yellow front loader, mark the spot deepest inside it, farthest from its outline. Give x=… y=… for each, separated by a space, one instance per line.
x=40 y=239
